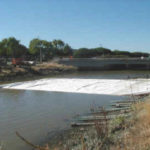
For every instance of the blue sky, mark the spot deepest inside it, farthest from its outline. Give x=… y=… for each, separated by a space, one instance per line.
x=115 y=24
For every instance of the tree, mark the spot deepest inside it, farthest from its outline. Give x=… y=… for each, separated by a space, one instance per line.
x=39 y=47
x=58 y=47
x=101 y=51
x=3 y=52
x=61 y=49
x=11 y=47
x=35 y=46
x=47 y=50
x=82 y=53
x=67 y=50
x=58 y=44
x=118 y=53
x=88 y=53
x=139 y=54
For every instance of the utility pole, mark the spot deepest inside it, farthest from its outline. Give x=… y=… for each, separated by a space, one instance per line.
x=40 y=55
x=40 y=47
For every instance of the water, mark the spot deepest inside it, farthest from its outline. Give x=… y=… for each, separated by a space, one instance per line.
x=35 y=114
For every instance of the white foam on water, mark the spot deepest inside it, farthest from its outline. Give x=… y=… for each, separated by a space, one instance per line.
x=89 y=86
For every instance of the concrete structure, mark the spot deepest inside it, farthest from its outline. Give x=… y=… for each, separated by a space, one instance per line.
x=108 y=63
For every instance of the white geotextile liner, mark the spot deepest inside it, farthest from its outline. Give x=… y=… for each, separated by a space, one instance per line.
x=89 y=86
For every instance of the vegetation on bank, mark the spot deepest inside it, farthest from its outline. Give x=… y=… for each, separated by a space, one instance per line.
x=122 y=133
x=12 y=48
x=9 y=73
x=136 y=134
x=104 y=52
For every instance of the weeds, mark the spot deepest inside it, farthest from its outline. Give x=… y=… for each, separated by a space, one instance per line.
x=125 y=134
x=102 y=126
x=136 y=134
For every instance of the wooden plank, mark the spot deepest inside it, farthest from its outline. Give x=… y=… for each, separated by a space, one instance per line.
x=74 y=124
x=98 y=118
x=111 y=111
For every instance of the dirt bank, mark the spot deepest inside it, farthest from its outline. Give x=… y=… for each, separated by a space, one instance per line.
x=11 y=73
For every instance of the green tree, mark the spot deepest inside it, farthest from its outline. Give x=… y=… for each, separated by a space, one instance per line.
x=35 y=46
x=58 y=47
x=67 y=50
x=139 y=54
x=88 y=53
x=43 y=47
x=58 y=44
x=47 y=50
x=2 y=50
x=11 y=47
x=101 y=51
x=82 y=53
x=121 y=53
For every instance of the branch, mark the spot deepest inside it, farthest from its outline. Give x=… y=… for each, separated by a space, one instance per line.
x=32 y=145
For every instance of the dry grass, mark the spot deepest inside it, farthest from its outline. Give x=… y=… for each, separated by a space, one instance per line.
x=12 y=70
x=11 y=73
x=52 y=66
x=136 y=135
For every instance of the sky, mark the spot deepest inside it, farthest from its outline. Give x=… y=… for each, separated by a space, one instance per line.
x=114 y=24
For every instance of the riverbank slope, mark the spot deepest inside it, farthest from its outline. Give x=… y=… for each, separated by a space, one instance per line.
x=132 y=132
x=11 y=73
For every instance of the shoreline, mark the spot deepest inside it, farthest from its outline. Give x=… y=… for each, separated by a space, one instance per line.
x=11 y=74
x=106 y=136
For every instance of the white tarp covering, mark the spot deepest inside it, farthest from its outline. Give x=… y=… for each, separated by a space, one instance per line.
x=89 y=86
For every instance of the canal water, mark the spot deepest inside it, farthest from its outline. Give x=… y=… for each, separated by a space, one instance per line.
x=37 y=114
